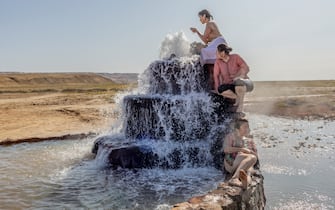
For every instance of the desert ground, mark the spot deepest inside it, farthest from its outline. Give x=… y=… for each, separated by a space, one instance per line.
x=294 y=99
x=35 y=107
x=41 y=106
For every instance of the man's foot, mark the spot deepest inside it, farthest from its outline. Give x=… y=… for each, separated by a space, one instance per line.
x=244 y=179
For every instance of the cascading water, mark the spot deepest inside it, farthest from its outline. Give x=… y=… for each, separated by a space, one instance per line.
x=175 y=122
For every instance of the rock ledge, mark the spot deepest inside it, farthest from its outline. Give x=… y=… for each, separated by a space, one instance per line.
x=229 y=197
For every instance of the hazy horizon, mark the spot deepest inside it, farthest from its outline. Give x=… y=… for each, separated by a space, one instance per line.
x=140 y=73
x=285 y=40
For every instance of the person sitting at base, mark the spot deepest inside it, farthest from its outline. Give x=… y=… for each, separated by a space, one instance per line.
x=230 y=76
x=240 y=154
x=211 y=37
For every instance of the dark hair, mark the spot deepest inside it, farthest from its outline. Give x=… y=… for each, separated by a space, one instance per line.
x=205 y=12
x=225 y=48
x=239 y=122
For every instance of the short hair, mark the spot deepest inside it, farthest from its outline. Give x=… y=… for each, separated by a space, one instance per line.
x=206 y=13
x=225 y=48
x=239 y=122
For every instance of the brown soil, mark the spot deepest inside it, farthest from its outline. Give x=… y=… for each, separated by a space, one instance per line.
x=53 y=115
x=35 y=107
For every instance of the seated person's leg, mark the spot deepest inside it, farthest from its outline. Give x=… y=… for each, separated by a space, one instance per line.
x=240 y=158
x=228 y=91
x=233 y=169
x=228 y=167
x=244 y=178
x=240 y=92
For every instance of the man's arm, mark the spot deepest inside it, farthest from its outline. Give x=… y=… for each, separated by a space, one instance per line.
x=244 y=68
x=216 y=75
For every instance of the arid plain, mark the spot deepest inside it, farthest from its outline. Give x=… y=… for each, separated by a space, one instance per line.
x=35 y=107
x=41 y=106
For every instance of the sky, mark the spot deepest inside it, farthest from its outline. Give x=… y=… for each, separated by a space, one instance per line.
x=279 y=40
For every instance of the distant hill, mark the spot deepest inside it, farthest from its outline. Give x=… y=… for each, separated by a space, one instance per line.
x=121 y=77
x=18 y=79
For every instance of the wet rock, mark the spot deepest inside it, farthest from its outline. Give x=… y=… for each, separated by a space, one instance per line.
x=229 y=197
x=147 y=116
x=120 y=153
x=176 y=76
x=132 y=157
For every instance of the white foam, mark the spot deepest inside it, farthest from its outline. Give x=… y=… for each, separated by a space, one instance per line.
x=177 y=44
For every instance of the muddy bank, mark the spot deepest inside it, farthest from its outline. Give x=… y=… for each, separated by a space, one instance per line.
x=9 y=142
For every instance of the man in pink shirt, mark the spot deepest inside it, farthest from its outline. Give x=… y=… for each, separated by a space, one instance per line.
x=229 y=74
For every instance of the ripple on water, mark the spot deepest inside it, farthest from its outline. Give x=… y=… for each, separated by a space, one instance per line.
x=283 y=170
x=310 y=201
x=296 y=158
x=61 y=174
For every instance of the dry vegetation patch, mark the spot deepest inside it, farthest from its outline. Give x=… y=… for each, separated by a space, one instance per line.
x=297 y=99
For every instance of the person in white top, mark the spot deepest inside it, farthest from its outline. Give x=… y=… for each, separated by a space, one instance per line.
x=211 y=37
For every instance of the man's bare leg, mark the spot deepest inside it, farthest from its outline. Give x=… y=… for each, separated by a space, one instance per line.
x=229 y=94
x=240 y=92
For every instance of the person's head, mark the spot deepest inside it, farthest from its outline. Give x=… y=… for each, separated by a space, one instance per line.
x=242 y=126
x=223 y=49
x=205 y=16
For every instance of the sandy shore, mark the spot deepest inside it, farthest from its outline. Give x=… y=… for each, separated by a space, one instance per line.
x=47 y=111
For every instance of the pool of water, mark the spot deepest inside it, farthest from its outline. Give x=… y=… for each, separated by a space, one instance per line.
x=64 y=175
x=297 y=160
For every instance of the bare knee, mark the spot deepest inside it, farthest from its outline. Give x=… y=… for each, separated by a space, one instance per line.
x=241 y=89
x=253 y=159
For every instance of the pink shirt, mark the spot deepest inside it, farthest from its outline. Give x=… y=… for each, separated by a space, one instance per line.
x=225 y=72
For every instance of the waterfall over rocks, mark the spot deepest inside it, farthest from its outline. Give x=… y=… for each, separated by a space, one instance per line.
x=175 y=122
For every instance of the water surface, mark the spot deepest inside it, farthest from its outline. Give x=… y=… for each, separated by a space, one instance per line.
x=297 y=160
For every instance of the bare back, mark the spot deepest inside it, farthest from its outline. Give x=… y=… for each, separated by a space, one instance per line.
x=212 y=31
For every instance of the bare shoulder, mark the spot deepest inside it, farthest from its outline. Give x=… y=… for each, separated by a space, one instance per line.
x=211 y=24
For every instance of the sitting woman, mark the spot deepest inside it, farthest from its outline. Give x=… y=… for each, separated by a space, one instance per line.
x=211 y=37
x=240 y=154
